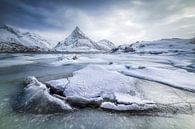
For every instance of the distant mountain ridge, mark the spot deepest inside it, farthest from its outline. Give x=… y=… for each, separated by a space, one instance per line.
x=14 y=40
x=159 y=46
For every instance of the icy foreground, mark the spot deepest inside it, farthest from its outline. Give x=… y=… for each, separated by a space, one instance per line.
x=106 y=87
x=94 y=81
x=36 y=98
x=174 y=77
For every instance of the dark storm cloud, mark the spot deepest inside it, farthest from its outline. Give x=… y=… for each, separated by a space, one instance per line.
x=128 y=19
x=16 y=12
x=35 y=13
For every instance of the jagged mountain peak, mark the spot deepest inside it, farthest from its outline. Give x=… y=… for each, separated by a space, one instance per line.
x=77 y=28
x=77 y=33
x=76 y=38
x=78 y=41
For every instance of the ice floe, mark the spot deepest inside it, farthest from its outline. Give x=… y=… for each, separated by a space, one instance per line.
x=130 y=107
x=79 y=59
x=94 y=80
x=95 y=84
x=174 y=77
x=131 y=98
x=37 y=99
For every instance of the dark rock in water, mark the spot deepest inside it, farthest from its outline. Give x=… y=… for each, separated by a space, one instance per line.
x=110 y=63
x=128 y=67
x=141 y=67
x=60 y=58
x=36 y=99
x=129 y=49
x=114 y=50
x=156 y=52
x=74 y=57
x=176 y=51
x=193 y=41
x=141 y=46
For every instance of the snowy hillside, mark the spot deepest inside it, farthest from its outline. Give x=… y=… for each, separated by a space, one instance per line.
x=13 y=40
x=173 y=45
x=78 y=41
x=106 y=45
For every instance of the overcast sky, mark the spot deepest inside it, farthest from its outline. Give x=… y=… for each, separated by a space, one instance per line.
x=120 y=21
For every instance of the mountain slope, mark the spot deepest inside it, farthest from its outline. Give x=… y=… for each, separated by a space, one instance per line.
x=78 y=41
x=173 y=45
x=13 y=40
x=106 y=45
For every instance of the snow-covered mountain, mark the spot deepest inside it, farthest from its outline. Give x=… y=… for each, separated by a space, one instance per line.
x=172 y=45
x=14 y=40
x=106 y=45
x=78 y=41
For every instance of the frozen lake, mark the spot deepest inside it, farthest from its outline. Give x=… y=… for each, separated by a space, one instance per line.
x=155 y=72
